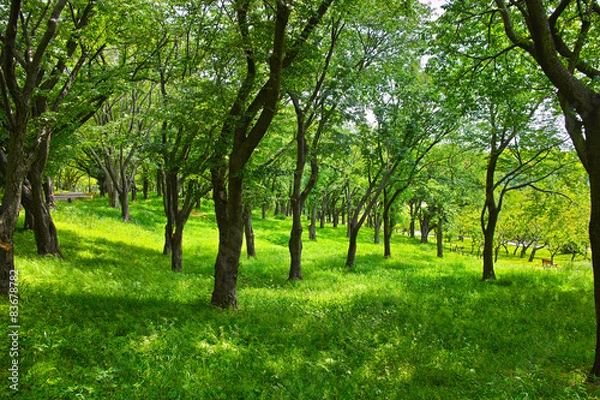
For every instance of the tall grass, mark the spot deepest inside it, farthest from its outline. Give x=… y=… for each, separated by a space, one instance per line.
x=111 y=321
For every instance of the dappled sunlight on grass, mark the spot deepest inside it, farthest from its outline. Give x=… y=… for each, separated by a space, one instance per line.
x=112 y=321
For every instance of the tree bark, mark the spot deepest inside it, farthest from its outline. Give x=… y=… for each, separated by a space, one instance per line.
x=592 y=124
x=489 y=228
x=376 y=228
x=230 y=238
x=387 y=233
x=159 y=182
x=439 y=234
x=49 y=192
x=424 y=227
x=249 y=231
x=146 y=187
x=171 y=206
x=413 y=216
x=14 y=173
x=312 y=228
x=46 y=236
x=177 y=250
x=124 y=201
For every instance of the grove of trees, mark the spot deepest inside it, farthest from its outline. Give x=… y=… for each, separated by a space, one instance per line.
x=482 y=123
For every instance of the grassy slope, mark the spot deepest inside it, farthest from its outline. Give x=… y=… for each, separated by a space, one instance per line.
x=112 y=322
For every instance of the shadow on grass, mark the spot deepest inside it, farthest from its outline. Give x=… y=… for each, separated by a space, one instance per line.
x=433 y=337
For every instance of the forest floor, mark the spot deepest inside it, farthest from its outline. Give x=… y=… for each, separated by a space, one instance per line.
x=111 y=321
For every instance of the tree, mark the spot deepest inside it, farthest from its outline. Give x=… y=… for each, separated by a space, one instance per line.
x=247 y=123
x=558 y=37
x=33 y=85
x=511 y=123
x=122 y=130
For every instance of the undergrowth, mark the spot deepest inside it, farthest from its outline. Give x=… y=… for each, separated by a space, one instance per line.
x=111 y=321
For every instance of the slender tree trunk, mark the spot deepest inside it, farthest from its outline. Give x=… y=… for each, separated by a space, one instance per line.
x=249 y=231
x=356 y=222
x=299 y=196
x=424 y=226
x=524 y=250
x=49 y=192
x=352 y=246
x=159 y=182
x=296 y=198
x=146 y=187
x=439 y=234
x=46 y=236
x=387 y=233
x=534 y=250
x=376 y=228
x=322 y=216
x=491 y=209
x=170 y=206
x=177 y=249
x=312 y=228
x=124 y=201
x=295 y=243
x=413 y=213
x=134 y=191
x=488 y=242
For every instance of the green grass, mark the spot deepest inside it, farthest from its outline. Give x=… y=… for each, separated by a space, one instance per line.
x=111 y=321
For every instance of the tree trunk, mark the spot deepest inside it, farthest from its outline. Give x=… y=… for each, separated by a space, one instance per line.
x=387 y=233
x=322 y=217
x=488 y=243
x=312 y=228
x=376 y=228
x=49 y=192
x=299 y=196
x=113 y=198
x=413 y=214
x=27 y=203
x=159 y=182
x=593 y=169
x=388 y=223
x=177 y=250
x=355 y=222
x=124 y=201
x=295 y=243
x=134 y=191
x=440 y=238
x=534 y=250
x=249 y=232
x=524 y=249
x=15 y=171
x=146 y=187
x=424 y=226
x=228 y=205
x=170 y=206
x=46 y=237
x=351 y=256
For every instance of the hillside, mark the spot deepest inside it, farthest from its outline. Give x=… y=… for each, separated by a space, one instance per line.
x=111 y=321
